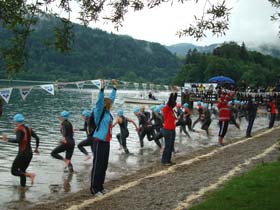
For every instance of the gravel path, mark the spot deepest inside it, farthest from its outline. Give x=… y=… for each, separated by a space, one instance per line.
x=164 y=188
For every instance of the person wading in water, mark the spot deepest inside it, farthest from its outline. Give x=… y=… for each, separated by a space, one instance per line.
x=25 y=154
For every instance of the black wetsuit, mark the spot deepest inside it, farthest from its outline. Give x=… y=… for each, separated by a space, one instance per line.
x=146 y=129
x=89 y=128
x=67 y=132
x=124 y=133
x=187 y=118
x=200 y=112
x=233 y=116
x=206 y=121
x=25 y=154
x=158 y=124
x=251 y=112
x=181 y=122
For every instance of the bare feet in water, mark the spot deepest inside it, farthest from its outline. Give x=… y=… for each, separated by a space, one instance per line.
x=87 y=157
x=31 y=176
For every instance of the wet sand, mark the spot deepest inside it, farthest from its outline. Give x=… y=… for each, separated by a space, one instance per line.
x=158 y=187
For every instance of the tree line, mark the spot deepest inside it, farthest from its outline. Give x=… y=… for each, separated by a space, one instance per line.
x=232 y=60
x=93 y=54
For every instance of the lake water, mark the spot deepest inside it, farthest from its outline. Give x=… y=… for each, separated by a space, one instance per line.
x=41 y=111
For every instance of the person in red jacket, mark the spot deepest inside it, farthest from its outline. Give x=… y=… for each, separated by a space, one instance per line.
x=224 y=117
x=272 y=112
x=169 y=126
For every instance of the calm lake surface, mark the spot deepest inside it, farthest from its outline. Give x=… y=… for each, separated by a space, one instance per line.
x=41 y=111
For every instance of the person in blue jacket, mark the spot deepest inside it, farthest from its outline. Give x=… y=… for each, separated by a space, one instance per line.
x=101 y=138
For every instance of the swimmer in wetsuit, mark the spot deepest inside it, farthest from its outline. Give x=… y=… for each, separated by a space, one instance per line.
x=25 y=154
x=89 y=127
x=68 y=142
x=124 y=133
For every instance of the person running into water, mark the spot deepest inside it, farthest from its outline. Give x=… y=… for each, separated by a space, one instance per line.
x=187 y=116
x=67 y=144
x=181 y=120
x=145 y=127
x=233 y=114
x=101 y=138
x=169 y=126
x=206 y=119
x=157 y=119
x=89 y=127
x=25 y=154
x=224 y=117
x=251 y=108
x=124 y=133
x=199 y=110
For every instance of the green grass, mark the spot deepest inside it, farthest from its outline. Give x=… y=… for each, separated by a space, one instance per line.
x=258 y=189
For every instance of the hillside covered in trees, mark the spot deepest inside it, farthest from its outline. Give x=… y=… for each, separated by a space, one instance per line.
x=94 y=54
x=233 y=61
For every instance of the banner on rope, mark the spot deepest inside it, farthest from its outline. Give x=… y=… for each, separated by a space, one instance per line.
x=6 y=94
x=24 y=91
x=97 y=83
x=158 y=87
x=136 y=85
x=107 y=83
x=144 y=86
x=49 y=88
x=80 y=85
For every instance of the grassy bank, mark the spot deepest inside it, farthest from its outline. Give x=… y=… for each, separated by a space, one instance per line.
x=258 y=189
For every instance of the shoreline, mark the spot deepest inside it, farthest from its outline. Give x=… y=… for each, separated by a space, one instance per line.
x=82 y=195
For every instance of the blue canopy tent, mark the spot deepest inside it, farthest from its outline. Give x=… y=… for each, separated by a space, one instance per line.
x=221 y=79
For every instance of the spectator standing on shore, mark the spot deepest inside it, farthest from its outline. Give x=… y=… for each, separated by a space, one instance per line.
x=224 y=117
x=169 y=126
x=101 y=138
x=272 y=108
x=251 y=109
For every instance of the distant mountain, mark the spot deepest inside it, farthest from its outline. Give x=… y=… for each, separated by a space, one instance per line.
x=95 y=54
x=183 y=48
x=268 y=49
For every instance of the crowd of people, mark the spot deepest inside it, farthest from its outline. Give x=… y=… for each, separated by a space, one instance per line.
x=158 y=125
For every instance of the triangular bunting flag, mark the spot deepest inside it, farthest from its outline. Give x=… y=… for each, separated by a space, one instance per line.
x=136 y=85
x=6 y=93
x=80 y=85
x=24 y=91
x=107 y=82
x=97 y=83
x=144 y=85
x=49 y=88
x=166 y=87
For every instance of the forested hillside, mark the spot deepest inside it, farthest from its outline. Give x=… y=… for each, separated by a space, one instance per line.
x=94 y=54
x=233 y=61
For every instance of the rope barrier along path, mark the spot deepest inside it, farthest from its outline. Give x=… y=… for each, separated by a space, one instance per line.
x=173 y=169
x=188 y=201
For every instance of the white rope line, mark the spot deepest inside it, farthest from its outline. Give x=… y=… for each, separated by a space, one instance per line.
x=188 y=201
x=159 y=173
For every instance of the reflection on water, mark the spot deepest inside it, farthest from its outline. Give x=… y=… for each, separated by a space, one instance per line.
x=42 y=111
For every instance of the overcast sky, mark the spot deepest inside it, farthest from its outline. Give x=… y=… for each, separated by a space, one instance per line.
x=249 y=22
